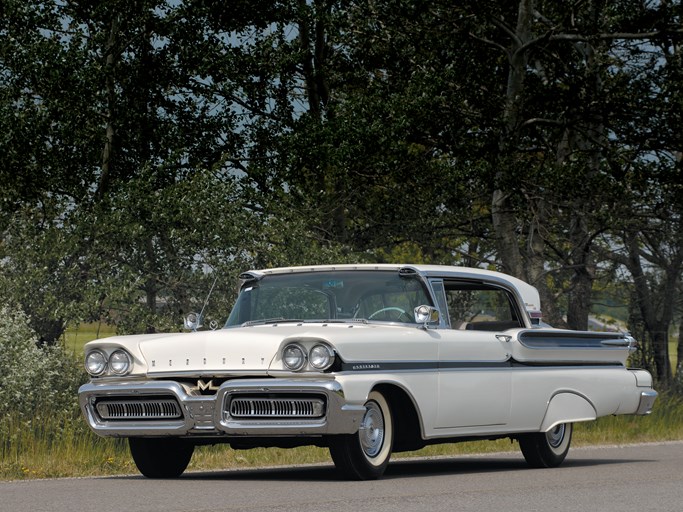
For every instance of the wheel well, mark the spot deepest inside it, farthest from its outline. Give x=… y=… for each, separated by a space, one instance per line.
x=407 y=431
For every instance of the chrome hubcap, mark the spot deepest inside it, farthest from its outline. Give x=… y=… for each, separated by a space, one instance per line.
x=371 y=430
x=556 y=436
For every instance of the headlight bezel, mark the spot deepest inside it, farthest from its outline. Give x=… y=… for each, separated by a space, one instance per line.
x=313 y=356
x=126 y=369
x=98 y=362
x=104 y=363
x=318 y=350
x=303 y=356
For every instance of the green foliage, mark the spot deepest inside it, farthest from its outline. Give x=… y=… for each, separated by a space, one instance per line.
x=36 y=381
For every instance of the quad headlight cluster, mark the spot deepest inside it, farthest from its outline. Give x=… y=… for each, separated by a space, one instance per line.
x=295 y=357
x=98 y=363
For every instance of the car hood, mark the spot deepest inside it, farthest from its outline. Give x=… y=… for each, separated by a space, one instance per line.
x=225 y=350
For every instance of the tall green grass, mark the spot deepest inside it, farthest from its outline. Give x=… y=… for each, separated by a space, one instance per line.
x=53 y=446
x=49 y=447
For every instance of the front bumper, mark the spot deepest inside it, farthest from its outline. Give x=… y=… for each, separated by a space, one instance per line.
x=210 y=415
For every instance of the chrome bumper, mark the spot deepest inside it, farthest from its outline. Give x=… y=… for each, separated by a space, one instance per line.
x=647 y=401
x=209 y=416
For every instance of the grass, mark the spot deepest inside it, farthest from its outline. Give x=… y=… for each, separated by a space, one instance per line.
x=64 y=447
x=75 y=337
x=58 y=447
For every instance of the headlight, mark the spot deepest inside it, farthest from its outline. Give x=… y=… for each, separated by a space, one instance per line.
x=321 y=357
x=95 y=363
x=119 y=362
x=294 y=357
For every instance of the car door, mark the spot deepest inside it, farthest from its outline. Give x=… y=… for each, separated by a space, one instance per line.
x=475 y=379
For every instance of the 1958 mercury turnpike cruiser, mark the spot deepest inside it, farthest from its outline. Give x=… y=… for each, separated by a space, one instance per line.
x=365 y=360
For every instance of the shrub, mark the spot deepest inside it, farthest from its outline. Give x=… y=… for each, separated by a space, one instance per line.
x=34 y=380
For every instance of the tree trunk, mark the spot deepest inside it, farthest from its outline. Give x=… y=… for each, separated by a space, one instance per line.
x=660 y=342
x=535 y=272
x=150 y=286
x=656 y=322
x=679 y=353
x=505 y=224
x=110 y=132
x=505 y=228
x=317 y=88
x=588 y=137
x=579 y=303
x=583 y=274
x=48 y=330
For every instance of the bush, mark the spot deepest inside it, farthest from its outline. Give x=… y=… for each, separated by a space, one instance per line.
x=34 y=380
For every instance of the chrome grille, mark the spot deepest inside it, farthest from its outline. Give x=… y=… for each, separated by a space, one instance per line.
x=245 y=407
x=145 y=409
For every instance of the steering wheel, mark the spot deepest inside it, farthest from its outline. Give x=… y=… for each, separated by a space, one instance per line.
x=400 y=311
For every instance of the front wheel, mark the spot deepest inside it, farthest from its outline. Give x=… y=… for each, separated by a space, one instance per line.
x=365 y=455
x=165 y=457
x=547 y=449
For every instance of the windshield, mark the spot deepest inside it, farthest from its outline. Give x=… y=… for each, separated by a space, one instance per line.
x=334 y=295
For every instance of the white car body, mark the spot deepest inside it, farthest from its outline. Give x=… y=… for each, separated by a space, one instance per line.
x=394 y=383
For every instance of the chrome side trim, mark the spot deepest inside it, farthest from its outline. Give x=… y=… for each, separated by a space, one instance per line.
x=616 y=343
x=546 y=339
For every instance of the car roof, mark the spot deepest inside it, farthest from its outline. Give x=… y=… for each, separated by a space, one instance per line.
x=527 y=292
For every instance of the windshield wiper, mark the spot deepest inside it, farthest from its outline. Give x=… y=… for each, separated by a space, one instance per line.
x=278 y=320
x=265 y=321
x=338 y=321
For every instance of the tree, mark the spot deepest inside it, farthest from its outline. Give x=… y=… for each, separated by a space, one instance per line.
x=556 y=178
x=142 y=155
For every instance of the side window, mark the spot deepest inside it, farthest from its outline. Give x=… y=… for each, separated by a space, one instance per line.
x=394 y=303
x=477 y=306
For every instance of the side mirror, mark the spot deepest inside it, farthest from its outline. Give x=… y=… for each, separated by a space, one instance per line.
x=427 y=315
x=193 y=321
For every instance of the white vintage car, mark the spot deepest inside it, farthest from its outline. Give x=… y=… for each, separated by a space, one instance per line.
x=365 y=360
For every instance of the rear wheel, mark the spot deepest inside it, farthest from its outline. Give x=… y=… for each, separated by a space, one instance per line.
x=547 y=449
x=365 y=455
x=165 y=457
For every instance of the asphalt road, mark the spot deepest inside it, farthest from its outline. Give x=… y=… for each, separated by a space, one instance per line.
x=646 y=477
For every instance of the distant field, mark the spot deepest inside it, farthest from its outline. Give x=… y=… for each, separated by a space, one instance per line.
x=76 y=337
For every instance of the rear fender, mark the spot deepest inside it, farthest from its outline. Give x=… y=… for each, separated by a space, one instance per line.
x=567 y=407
